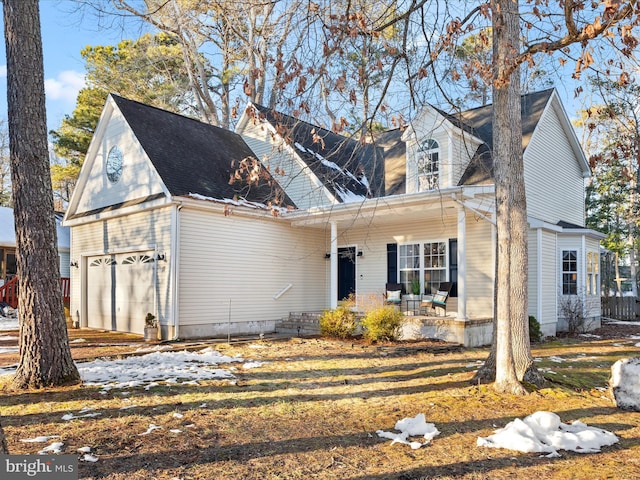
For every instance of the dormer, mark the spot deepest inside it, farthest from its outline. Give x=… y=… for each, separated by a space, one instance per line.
x=437 y=151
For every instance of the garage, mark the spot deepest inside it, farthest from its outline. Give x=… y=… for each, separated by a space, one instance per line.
x=120 y=290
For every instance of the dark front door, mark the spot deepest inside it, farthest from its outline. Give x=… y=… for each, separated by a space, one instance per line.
x=346 y=272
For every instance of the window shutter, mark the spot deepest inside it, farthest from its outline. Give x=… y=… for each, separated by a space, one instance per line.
x=392 y=262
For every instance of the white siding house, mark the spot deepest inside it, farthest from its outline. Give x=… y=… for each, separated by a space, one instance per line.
x=219 y=233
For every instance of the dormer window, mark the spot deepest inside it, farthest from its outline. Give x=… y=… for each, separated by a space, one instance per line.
x=428 y=165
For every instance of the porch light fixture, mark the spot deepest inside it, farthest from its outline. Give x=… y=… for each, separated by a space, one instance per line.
x=327 y=256
x=73 y=264
x=360 y=253
x=161 y=256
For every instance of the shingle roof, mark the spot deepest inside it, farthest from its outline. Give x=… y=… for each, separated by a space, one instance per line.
x=347 y=168
x=193 y=157
x=479 y=122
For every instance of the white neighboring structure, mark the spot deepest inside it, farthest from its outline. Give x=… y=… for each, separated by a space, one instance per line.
x=8 y=245
x=177 y=218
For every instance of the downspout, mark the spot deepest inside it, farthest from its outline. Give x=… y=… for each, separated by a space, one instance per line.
x=174 y=265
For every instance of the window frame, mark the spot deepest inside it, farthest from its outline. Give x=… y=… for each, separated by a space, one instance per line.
x=569 y=272
x=421 y=270
x=593 y=273
x=428 y=165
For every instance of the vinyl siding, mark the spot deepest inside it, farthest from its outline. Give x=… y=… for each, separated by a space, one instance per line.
x=139 y=178
x=139 y=231
x=543 y=289
x=592 y=303
x=300 y=184
x=371 y=268
x=232 y=267
x=463 y=149
x=554 y=181
x=428 y=125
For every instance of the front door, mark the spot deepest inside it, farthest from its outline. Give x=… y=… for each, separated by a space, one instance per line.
x=346 y=272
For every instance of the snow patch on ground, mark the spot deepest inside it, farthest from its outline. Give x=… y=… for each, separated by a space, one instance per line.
x=543 y=432
x=411 y=427
x=150 y=369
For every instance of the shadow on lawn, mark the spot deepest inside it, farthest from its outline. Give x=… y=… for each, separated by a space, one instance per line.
x=271 y=381
x=46 y=418
x=242 y=453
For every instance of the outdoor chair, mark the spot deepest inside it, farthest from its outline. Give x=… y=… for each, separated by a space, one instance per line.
x=438 y=299
x=393 y=294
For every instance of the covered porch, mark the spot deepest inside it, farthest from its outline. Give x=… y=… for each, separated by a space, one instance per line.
x=393 y=240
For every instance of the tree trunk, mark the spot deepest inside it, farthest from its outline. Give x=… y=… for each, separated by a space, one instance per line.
x=3 y=441
x=511 y=221
x=45 y=356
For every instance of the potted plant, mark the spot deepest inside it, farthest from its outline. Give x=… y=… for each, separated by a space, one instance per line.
x=150 y=328
x=412 y=299
x=415 y=286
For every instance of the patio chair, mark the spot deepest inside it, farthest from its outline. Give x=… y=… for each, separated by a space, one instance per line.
x=393 y=294
x=438 y=299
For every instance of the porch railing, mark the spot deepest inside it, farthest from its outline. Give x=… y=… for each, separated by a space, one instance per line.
x=9 y=291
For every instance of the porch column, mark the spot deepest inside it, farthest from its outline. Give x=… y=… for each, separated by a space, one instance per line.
x=462 y=264
x=333 y=275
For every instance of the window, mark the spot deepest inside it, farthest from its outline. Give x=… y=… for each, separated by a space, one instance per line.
x=435 y=265
x=425 y=263
x=569 y=272
x=593 y=271
x=114 y=165
x=409 y=265
x=428 y=165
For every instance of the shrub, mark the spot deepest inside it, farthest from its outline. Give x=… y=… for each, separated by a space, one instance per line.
x=339 y=322
x=535 y=334
x=382 y=324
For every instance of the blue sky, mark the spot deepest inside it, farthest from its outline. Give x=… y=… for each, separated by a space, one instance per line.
x=64 y=34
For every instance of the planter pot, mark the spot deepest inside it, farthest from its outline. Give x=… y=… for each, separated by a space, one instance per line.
x=150 y=334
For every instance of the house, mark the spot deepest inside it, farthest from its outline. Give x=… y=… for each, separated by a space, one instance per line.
x=8 y=259
x=220 y=233
x=8 y=266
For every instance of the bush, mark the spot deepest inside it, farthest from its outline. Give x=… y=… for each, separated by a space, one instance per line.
x=535 y=334
x=339 y=322
x=382 y=324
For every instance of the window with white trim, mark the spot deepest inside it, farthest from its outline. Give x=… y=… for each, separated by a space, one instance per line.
x=593 y=273
x=569 y=272
x=435 y=266
x=426 y=263
x=409 y=264
x=428 y=162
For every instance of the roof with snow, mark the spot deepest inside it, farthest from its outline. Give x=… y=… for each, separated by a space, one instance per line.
x=346 y=167
x=193 y=157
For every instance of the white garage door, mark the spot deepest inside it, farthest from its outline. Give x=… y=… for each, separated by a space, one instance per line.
x=120 y=291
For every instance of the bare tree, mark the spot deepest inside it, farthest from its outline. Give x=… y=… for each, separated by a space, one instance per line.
x=45 y=356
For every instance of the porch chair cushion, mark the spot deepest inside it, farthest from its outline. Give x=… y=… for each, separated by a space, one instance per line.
x=440 y=298
x=393 y=296
x=393 y=293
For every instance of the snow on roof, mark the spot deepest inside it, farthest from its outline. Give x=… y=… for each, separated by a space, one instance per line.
x=241 y=202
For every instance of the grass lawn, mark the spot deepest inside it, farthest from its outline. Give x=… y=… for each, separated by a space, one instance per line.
x=312 y=409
